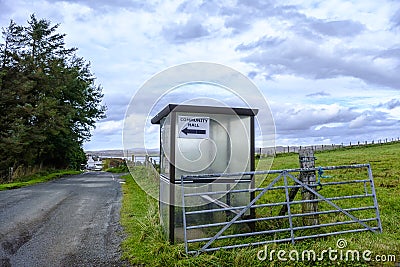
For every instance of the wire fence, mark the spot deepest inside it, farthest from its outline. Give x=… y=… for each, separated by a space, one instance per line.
x=272 y=151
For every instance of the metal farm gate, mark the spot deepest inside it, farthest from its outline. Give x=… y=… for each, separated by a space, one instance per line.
x=344 y=202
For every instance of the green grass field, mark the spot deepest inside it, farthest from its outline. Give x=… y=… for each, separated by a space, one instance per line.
x=145 y=244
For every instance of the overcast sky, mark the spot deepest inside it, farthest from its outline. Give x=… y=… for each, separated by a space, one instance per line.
x=330 y=70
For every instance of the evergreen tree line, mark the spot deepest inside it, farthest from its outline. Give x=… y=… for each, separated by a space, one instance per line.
x=48 y=99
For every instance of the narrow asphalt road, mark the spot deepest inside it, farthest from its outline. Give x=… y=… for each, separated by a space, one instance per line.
x=72 y=221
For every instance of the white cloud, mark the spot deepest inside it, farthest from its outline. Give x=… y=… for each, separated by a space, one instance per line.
x=329 y=68
x=109 y=127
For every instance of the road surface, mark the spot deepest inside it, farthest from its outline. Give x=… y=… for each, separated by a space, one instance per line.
x=72 y=221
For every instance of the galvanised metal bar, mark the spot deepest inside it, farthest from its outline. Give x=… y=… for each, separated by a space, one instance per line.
x=281 y=240
x=278 y=204
x=236 y=222
x=184 y=218
x=277 y=217
x=371 y=178
x=332 y=211
x=336 y=233
x=240 y=213
x=240 y=235
x=224 y=192
x=355 y=166
x=344 y=182
x=330 y=198
x=332 y=224
x=278 y=231
x=217 y=179
x=274 y=188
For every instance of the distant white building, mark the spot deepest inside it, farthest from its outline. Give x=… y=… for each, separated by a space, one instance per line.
x=96 y=165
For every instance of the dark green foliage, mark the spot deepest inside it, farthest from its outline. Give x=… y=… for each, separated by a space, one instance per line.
x=115 y=165
x=48 y=99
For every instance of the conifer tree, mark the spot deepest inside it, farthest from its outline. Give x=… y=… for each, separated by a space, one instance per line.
x=48 y=96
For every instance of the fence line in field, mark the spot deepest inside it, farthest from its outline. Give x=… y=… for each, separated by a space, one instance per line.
x=271 y=151
x=151 y=167
x=152 y=161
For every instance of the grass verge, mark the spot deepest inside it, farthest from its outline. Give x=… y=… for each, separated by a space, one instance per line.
x=146 y=246
x=119 y=169
x=37 y=178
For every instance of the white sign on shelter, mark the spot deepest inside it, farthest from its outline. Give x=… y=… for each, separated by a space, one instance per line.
x=194 y=127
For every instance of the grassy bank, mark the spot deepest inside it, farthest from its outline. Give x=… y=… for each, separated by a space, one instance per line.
x=145 y=244
x=37 y=178
x=119 y=169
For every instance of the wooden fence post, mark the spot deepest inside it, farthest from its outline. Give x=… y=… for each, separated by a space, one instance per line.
x=307 y=160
